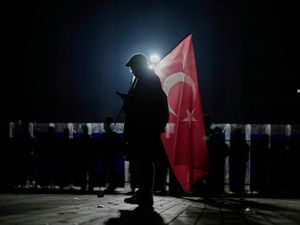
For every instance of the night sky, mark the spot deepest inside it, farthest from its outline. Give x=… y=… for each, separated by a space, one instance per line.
x=63 y=61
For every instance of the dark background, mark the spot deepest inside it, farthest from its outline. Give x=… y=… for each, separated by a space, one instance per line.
x=63 y=60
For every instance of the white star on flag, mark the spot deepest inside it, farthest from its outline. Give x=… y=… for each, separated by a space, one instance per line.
x=190 y=117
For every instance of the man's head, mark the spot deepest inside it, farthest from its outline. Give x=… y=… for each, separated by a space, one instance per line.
x=66 y=132
x=107 y=124
x=138 y=63
x=85 y=129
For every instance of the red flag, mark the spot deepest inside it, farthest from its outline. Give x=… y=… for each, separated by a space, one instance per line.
x=184 y=139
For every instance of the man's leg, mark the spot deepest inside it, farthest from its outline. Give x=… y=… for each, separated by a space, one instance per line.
x=145 y=176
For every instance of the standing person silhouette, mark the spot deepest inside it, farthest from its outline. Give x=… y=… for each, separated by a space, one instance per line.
x=146 y=110
x=84 y=159
x=239 y=150
x=218 y=151
x=112 y=147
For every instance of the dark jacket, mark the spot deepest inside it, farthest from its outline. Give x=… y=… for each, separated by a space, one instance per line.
x=146 y=108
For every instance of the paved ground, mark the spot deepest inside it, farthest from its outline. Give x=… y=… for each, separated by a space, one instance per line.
x=111 y=210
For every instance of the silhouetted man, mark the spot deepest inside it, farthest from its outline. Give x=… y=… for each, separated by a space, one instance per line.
x=47 y=158
x=260 y=163
x=239 y=151
x=22 y=155
x=65 y=160
x=85 y=160
x=218 y=150
x=112 y=146
x=146 y=110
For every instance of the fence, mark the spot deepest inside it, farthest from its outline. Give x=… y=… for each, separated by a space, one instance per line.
x=252 y=132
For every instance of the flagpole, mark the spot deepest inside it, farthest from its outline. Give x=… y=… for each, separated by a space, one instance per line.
x=128 y=94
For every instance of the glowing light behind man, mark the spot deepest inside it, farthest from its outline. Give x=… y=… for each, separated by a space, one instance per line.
x=154 y=59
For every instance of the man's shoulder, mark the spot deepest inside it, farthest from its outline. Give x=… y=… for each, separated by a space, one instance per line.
x=152 y=77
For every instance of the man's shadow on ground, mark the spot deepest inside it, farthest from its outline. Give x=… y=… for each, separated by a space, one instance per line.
x=137 y=217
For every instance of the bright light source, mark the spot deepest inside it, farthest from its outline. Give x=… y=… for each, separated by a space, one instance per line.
x=298 y=91
x=154 y=59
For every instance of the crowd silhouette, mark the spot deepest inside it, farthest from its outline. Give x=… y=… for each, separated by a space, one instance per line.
x=56 y=161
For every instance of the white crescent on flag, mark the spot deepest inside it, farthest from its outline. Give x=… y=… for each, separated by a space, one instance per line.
x=175 y=78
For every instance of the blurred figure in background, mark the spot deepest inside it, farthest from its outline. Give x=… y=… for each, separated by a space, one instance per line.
x=4 y=157
x=66 y=160
x=22 y=161
x=47 y=158
x=112 y=147
x=260 y=164
x=218 y=150
x=85 y=157
x=239 y=151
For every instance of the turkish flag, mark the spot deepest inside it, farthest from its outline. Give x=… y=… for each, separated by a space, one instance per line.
x=184 y=139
